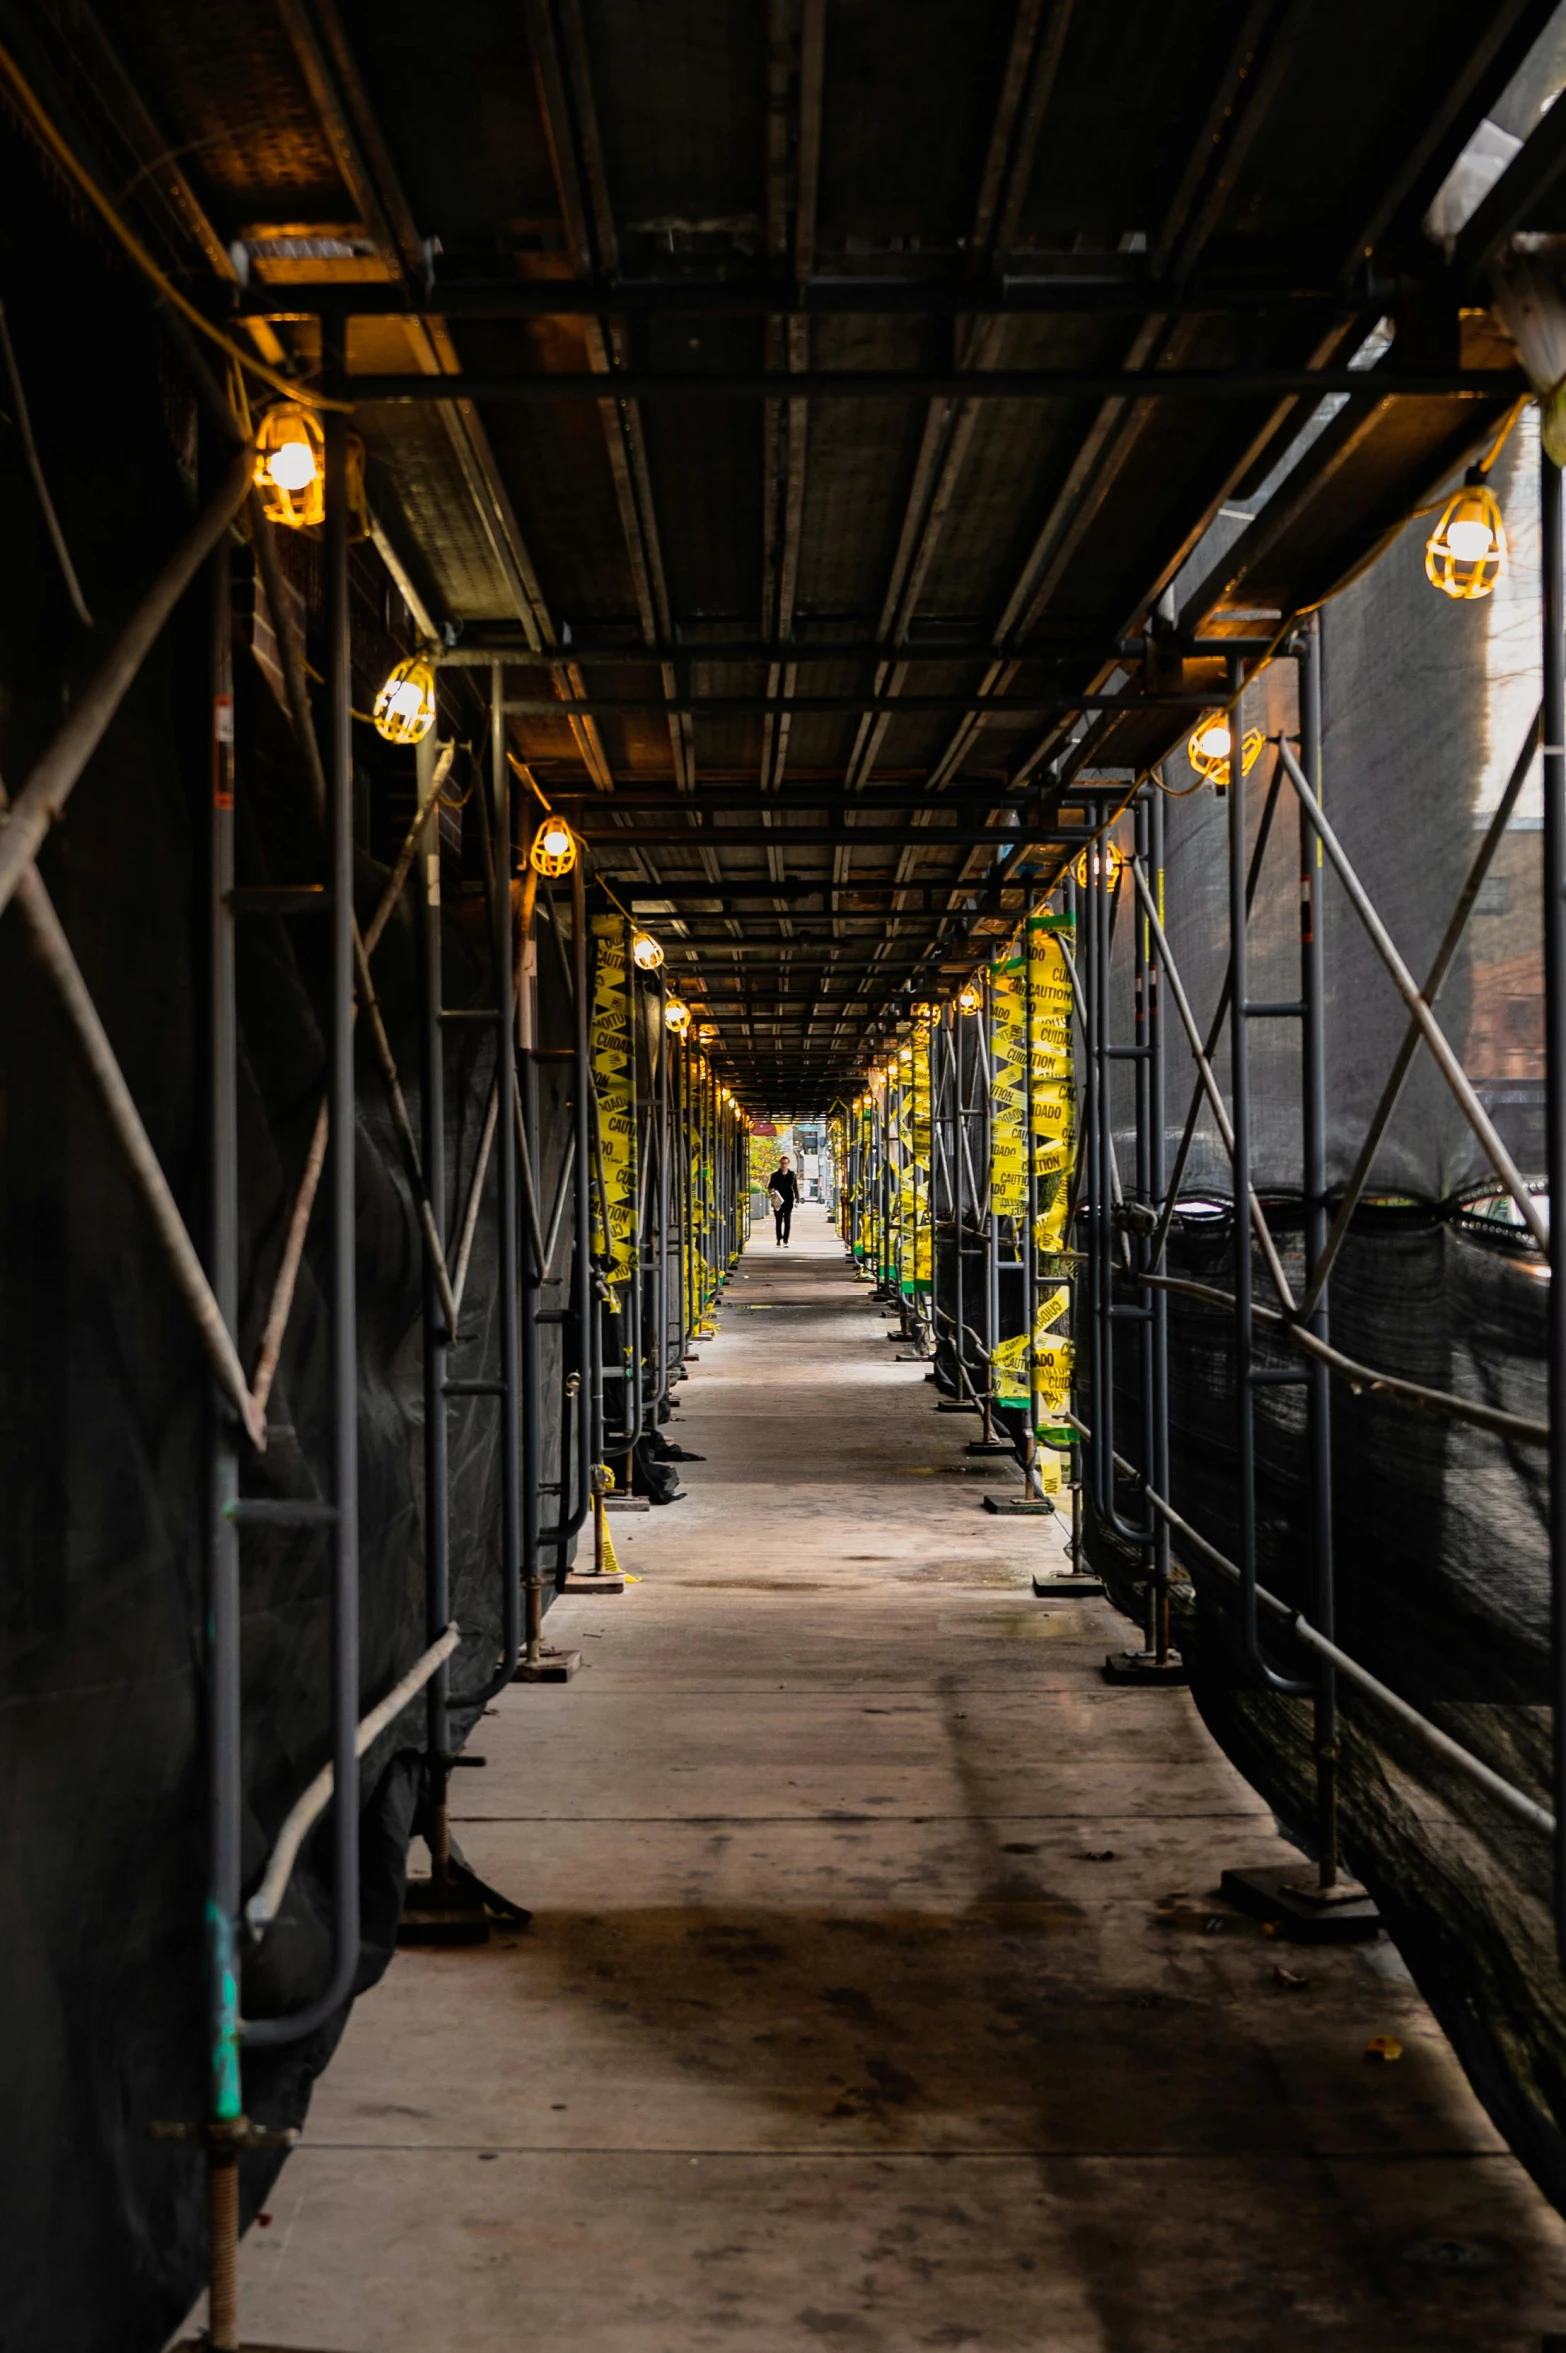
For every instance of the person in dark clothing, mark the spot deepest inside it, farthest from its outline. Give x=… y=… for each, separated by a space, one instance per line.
x=783 y=1186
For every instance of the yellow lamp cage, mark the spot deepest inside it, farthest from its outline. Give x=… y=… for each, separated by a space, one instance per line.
x=969 y=997
x=646 y=952
x=1208 y=749
x=554 y=849
x=291 y=465
x=677 y=1016
x=707 y=1033
x=405 y=707
x=1465 y=554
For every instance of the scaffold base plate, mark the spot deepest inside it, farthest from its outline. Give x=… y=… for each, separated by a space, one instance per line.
x=1282 y=1896
x=1145 y=1666
x=555 y=1666
x=989 y=1446
x=1068 y=1588
x=461 y=1910
x=1021 y=1507
x=954 y=1405
x=593 y=1581
x=626 y=1503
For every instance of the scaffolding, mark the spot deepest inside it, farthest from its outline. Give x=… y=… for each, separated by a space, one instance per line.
x=1128 y=1182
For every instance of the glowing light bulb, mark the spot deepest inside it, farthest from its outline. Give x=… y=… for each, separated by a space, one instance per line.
x=677 y=1016
x=292 y=466
x=1470 y=540
x=405 y=707
x=1465 y=554
x=554 y=848
x=1212 y=746
x=646 y=953
x=969 y=997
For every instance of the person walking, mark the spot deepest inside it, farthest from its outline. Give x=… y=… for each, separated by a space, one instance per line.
x=783 y=1187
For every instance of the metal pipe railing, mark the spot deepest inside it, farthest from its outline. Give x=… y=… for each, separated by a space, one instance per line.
x=262 y=1908
x=1300 y=1629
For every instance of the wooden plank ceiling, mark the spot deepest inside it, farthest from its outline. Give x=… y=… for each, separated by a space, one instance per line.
x=805 y=660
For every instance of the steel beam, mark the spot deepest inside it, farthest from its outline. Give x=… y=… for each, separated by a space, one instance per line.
x=1125 y=384
x=1093 y=289
x=871 y=705
x=484 y=642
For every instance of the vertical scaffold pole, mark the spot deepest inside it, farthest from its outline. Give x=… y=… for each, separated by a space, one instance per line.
x=1554 y=767
x=589 y=1340
x=1089 y=1202
x=226 y=1796
x=682 y=1189
x=437 y=1340
x=520 y=1468
x=1240 y=1100
x=992 y=1319
x=1152 y=1179
x=1313 y=1185
x=661 y=1193
x=344 y=1363
x=1244 y=1328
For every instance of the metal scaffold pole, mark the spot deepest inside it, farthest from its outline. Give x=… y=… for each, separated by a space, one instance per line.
x=437 y=1339
x=344 y=1368
x=1153 y=1178
x=1313 y=1186
x=226 y=1797
x=1553 y=724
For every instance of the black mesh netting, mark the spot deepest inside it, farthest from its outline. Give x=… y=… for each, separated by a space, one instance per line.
x=1439 y=1528
x=103 y=1390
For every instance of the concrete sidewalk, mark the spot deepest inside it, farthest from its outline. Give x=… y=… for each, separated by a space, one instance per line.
x=848 y=2015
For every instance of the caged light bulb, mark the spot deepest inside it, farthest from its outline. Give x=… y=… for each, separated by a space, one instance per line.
x=554 y=848
x=290 y=470
x=1465 y=554
x=405 y=707
x=1212 y=745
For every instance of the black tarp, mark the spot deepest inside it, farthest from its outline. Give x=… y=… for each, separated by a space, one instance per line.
x=103 y=1393
x=1439 y=1528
